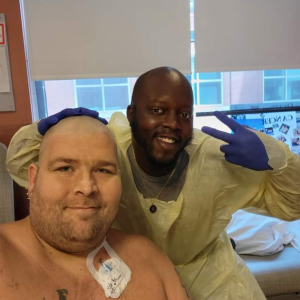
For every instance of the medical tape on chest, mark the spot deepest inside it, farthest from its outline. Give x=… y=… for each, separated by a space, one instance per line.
x=113 y=274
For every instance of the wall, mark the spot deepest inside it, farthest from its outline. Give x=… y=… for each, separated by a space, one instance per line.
x=10 y=122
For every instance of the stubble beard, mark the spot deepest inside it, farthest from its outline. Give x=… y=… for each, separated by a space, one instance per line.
x=149 y=149
x=62 y=233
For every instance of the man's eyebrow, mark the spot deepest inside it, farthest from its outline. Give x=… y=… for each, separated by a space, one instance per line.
x=106 y=163
x=74 y=161
x=159 y=101
x=62 y=160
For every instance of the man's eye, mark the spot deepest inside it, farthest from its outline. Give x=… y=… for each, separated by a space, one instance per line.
x=64 y=169
x=101 y=170
x=157 y=111
x=186 y=115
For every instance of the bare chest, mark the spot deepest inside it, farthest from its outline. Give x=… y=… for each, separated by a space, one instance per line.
x=36 y=282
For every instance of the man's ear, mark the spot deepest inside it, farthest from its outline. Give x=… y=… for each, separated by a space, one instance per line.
x=130 y=113
x=32 y=174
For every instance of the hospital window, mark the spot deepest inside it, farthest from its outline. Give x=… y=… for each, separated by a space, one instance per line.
x=281 y=85
x=107 y=94
x=207 y=88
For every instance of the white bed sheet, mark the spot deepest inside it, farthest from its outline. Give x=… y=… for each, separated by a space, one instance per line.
x=262 y=235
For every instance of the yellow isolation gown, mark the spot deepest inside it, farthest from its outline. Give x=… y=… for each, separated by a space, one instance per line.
x=191 y=229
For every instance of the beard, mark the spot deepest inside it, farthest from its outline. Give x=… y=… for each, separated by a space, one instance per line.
x=52 y=223
x=149 y=149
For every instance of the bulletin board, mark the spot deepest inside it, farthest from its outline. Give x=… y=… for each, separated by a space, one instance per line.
x=7 y=102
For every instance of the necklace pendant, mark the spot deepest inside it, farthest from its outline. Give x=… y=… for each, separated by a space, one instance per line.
x=153 y=209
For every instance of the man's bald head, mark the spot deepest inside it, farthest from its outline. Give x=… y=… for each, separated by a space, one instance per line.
x=79 y=125
x=158 y=78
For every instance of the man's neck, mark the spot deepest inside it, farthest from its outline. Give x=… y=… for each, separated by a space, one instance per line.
x=72 y=262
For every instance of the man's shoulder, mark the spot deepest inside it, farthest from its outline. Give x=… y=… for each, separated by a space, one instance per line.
x=10 y=235
x=7 y=244
x=119 y=126
x=129 y=239
x=132 y=242
x=200 y=137
x=203 y=142
x=139 y=253
x=5 y=232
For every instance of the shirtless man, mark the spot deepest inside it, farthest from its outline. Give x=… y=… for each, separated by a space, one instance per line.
x=74 y=197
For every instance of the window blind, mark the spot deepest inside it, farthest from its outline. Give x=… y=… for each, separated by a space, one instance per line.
x=69 y=39
x=240 y=35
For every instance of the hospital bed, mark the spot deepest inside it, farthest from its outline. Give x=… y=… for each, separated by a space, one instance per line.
x=278 y=275
x=271 y=250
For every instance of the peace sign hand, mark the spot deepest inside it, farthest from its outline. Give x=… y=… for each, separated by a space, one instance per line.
x=244 y=146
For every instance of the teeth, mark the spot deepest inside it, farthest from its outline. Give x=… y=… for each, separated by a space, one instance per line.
x=167 y=140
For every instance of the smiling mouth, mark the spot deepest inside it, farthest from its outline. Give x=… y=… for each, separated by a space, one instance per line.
x=167 y=140
x=82 y=208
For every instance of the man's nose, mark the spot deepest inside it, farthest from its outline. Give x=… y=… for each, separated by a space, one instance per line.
x=85 y=184
x=172 y=121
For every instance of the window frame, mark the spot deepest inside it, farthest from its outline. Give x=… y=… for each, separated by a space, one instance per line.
x=286 y=77
x=106 y=113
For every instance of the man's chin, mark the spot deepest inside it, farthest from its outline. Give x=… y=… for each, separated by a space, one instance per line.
x=165 y=158
x=78 y=243
x=76 y=248
x=164 y=161
x=76 y=240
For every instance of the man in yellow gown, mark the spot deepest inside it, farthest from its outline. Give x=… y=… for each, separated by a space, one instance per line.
x=180 y=190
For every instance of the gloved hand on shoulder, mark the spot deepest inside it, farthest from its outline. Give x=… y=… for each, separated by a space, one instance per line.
x=244 y=146
x=45 y=124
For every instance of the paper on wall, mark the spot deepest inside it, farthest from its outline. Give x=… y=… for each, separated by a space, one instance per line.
x=4 y=74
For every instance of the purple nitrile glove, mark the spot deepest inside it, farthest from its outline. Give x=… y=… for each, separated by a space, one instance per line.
x=244 y=146
x=45 y=124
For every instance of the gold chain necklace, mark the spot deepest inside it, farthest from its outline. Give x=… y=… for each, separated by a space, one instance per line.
x=153 y=208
